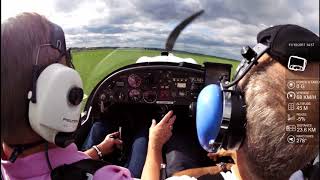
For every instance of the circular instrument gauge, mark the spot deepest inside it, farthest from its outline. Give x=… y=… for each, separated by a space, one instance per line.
x=135 y=95
x=134 y=80
x=149 y=96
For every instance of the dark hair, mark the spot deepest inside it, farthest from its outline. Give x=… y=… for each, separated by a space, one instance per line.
x=21 y=37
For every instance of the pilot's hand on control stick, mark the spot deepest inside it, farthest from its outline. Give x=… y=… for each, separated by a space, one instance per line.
x=109 y=144
x=160 y=133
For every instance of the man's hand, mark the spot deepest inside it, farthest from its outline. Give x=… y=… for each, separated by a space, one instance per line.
x=223 y=153
x=160 y=133
x=109 y=144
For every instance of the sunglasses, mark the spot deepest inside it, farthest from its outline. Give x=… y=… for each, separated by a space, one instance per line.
x=62 y=53
x=57 y=41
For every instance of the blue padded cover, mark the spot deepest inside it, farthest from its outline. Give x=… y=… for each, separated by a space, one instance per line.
x=209 y=114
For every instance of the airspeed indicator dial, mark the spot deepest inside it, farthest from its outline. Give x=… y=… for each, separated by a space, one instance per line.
x=134 y=81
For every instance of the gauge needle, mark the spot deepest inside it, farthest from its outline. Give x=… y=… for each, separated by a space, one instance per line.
x=120 y=131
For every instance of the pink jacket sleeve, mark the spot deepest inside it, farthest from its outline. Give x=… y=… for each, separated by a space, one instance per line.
x=112 y=172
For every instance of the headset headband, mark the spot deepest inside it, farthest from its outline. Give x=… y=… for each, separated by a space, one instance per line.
x=251 y=56
x=57 y=41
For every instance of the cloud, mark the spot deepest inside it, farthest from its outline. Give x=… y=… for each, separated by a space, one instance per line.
x=167 y=10
x=66 y=6
x=222 y=30
x=107 y=29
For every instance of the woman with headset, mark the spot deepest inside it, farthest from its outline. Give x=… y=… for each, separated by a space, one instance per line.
x=41 y=97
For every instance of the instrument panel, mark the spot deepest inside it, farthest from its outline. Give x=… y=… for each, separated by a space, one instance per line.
x=167 y=85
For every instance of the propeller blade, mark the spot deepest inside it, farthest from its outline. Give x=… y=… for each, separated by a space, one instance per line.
x=175 y=33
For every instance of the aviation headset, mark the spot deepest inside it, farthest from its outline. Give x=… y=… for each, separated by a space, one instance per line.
x=221 y=109
x=55 y=98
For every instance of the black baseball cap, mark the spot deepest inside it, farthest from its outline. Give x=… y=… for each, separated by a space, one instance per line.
x=290 y=40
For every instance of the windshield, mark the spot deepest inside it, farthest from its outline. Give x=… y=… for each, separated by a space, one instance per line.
x=95 y=63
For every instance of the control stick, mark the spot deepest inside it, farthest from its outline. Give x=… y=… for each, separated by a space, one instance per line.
x=120 y=147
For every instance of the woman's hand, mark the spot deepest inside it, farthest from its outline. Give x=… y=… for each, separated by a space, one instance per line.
x=160 y=133
x=110 y=143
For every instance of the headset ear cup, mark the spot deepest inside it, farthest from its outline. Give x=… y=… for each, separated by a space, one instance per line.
x=209 y=115
x=58 y=106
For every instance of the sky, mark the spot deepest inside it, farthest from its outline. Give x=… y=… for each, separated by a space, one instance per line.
x=222 y=30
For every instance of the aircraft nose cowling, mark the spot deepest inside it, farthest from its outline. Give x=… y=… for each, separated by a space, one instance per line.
x=209 y=115
x=169 y=58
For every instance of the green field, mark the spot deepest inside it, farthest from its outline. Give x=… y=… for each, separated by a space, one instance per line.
x=94 y=65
